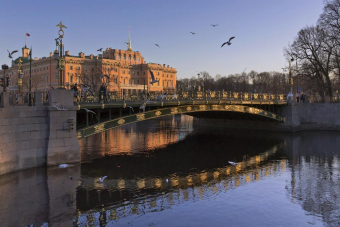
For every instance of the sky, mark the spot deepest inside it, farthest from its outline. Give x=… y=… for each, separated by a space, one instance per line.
x=262 y=29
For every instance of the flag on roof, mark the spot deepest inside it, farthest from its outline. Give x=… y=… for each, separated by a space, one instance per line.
x=28 y=34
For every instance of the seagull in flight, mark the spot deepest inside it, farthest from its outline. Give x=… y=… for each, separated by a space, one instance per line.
x=214 y=25
x=157 y=45
x=131 y=109
x=10 y=53
x=153 y=80
x=87 y=89
x=193 y=33
x=59 y=106
x=89 y=111
x=100 y=49
x=101 y=180
x=229 y=43
x=232 y=163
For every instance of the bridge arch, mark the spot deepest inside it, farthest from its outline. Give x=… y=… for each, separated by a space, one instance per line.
x=125 y=120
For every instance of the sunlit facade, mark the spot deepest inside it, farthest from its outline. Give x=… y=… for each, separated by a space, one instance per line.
x=123 y=71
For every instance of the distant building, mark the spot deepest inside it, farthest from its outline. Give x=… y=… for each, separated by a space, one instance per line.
x=122 y=70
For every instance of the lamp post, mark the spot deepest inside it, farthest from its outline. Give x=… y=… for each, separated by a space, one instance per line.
x=4 y=67
x=290 y=78
x=19 y=75
x=30 y=80
x=199 y=81
x=59 y=54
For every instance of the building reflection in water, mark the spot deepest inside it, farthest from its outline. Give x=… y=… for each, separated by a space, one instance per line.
x=135 y=138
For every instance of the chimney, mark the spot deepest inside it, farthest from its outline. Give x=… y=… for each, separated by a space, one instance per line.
x=163 y=65
x=67 y=52
x=91 y=56
x=51 y=55
x=168 y=66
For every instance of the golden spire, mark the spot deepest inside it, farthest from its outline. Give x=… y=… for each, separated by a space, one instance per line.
x=129 y=48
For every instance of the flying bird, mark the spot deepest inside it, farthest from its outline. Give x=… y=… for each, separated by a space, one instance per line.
x=10 y=53
x=87 y=89
x=193 y=33
x=100 y=49
x=153 y=80
x=58 y=106
x=214 y=25
x=89 y=111
x=229 y=43
x=232 y=163
x=131 y=109
x=63 y=165
x=126 y=42
x=157 y=45
x=101 y=180
x=142 y=107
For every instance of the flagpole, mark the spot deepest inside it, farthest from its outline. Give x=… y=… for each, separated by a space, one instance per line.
x=25 y=39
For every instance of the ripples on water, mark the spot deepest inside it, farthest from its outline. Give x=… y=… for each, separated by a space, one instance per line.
x=175 y=172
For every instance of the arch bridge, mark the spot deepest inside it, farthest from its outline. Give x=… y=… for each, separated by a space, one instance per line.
x=94 y=117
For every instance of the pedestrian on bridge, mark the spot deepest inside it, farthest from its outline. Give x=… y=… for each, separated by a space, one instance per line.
x=102 y=92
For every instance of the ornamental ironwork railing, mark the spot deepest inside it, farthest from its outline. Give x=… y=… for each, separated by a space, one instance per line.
x=114 y=96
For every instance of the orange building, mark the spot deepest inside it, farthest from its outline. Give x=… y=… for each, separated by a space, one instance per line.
x=123 y=70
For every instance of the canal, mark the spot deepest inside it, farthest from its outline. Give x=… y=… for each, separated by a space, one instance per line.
x=178 y=171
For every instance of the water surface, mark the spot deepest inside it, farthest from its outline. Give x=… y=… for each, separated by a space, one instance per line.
x=175 y=171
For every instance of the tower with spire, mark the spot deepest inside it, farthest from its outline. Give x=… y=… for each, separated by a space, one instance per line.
x=129 y=48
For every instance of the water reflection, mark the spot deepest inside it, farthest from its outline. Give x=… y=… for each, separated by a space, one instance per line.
x=131 y=139
x=128 y=197
x=160 y=166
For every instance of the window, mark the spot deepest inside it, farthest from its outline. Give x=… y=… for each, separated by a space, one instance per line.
x=46 y=67
x=138 y=73
x=46 y=79
x=157 y=73
x=137 y=81
x=71 y=78
x=71 y=67
x=78 y=68
x=123 y=71
x=143 y=73
x=56 y=78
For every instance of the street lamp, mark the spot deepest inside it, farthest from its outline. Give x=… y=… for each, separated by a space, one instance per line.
x=20 y=75
x=290 y=78
x=30 y=80
x=4 y=67
x=59 y=55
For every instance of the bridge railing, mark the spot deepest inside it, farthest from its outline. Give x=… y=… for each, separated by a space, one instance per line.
x=113 y=96
x=16 y=98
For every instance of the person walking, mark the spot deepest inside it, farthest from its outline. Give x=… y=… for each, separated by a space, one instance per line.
x=101 y=92
x=297 y=97
x=75 y=92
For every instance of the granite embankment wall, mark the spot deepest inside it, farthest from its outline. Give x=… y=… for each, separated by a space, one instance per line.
x=32 y=136
x=298 y=117
x=312 y=116
x=23 y=137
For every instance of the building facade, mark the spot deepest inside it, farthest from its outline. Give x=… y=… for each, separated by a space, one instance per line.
x=124 y=71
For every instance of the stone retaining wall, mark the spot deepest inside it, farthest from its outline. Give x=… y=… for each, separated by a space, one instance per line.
x=32 y=136
x=23 y=137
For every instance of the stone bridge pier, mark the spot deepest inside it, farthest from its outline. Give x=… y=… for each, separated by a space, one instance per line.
x=63 y=145
x=38 y=135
